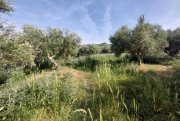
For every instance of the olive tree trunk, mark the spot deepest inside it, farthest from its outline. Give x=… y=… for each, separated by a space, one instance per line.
x=51 y=58
x=139 y=58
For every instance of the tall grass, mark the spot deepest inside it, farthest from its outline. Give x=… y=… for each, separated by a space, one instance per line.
x=122 y=93
x=89 y=63
x=39 y=98
x=115 y=93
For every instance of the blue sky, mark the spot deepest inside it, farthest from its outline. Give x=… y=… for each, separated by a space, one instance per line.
x=94 y=20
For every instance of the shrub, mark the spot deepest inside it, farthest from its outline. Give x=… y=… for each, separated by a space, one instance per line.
x=39 y=98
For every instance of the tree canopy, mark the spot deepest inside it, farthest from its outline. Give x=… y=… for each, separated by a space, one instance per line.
x=120 y=41
x=88 y=50
x=174 y=42
x=144 y=39
x=5 y=6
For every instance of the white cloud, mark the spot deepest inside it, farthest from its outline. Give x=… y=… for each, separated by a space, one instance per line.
x=90 y=31
x=88 y=25
x=107 y=27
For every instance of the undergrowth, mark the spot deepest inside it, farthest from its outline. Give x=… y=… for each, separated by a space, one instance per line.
x=116 y=93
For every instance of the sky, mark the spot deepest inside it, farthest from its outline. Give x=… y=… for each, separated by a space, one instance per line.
x=93 y=20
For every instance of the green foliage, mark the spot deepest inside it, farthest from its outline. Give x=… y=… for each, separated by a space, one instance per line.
x=106 y=50
x=42 y=98
x=120 y=41
x=144 y=40
x=114 y=92
x=160 y=40
x=14 y=56
x=35 y=36
x=141 y=42
x=176 y=64
x=52 y=42
x=88 y=50
x=83 y=51
x=91 y=49
x=5 y=6
x=123 y=93
x=174 y=42
x=4 y=76
x=174 y=35
x=13 y=52
x=34 y=46
x=70 y=45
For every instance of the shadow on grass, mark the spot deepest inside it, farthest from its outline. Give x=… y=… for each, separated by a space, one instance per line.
x=90 y=63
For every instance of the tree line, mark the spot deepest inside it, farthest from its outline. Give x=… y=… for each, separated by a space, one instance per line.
x=145 y=40
x=89 y=49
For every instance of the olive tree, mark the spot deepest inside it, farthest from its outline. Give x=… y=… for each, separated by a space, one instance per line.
x=54 y=39
x=142 y=41
x=174 y=42
x=51 y=44
x=14 y=53
x=145 y=39
x=70 y=45
x=120 y=41
x=160 y=40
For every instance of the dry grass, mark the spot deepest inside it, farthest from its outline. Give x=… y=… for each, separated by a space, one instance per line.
x=156 y=68
x=160 y=70
x=76 y=74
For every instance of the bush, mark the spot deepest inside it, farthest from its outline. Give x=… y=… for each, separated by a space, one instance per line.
x=39 y=98
x=4 y=77
x=14 y=54
x=43 y=63
x=7 y=75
